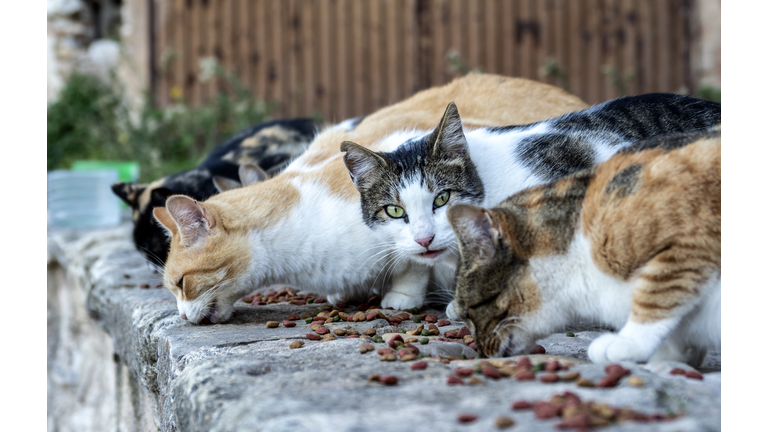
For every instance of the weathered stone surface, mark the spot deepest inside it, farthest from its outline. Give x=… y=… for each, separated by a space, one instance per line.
x=243 y=376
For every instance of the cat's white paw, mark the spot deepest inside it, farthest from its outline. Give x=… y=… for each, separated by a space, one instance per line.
x=610 y=348
x=335 y=299
x=450 y=310
x=401 y=301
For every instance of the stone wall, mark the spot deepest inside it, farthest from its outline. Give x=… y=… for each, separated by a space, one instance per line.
x=121 y=359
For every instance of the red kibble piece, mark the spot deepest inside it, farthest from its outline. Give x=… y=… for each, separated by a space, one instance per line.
x=464 y=331
x=404 y=351
x=545 y=410
x=394 y=320
x=299 y=302
x=677 y=371
x=549 y=378
x=319 y=318
x=411 y=346
x=320 y=300
x=384 y=351
x=490 y=372
x=538 y=349
x=271 y=293
x=574 y=421
x=451 y=334
x=289 y=323
x=342 y=305
x=694 y=375
x=521 y=405
x=430 y=318
x=293 y=317
x=525 y=362
x=362 y=307
x=552 y=366
x=464 y=372
x=453 y=380
x=160 y=285
x=419 y=365
x=525 y=376
x=312 y=336
x=396 y=341
x=144 y=286
x=403 y=316
x=473 y=345
x=442 y=323
x=609 y=381
x=322 y=330
x=388 y=379
x=371 y=316
x=259 y=303
x=615 y=369
x=351 y=318
x=466 y=418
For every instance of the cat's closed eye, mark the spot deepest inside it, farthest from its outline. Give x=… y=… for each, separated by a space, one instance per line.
x=180 y=283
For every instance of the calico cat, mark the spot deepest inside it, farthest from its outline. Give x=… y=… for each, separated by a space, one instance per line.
x=405 y=193
x=266 y=146
x=303 y=227
x=633 y=243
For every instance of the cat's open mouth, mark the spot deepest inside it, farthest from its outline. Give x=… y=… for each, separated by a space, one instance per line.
x=432 y=254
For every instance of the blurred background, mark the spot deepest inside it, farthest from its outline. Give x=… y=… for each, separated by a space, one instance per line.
x=162 y=82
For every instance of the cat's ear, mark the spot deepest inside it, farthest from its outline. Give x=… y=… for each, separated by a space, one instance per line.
x=129 y=193
x=449 y=137
x=363 y=164
x=164 y=219
x=476 y=230
x=249 y=174
x=191 y=220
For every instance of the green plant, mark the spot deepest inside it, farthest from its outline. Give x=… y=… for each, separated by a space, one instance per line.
x=553 y=69
x=456 y=64
x=90 y=120
x=709 y=92
x=619 y=82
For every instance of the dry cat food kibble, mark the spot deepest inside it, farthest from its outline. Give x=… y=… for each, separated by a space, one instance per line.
x=464 y=372
x=467 y=418
x=385 y=351
x=328 y=337
x=490 y=372
x=272 y=324
x=287 y=323
x=576 y=414
x=694 y=375
x=503 y=422
x=583 y=382
x=419 y=365
x=475 y=381
x=538 y=349
x=364 y=348
x=570 y=376
x=312 y=336
x=322 y=330
x=293 y=317
x=454 y=380
x=296 y=344
x=549 y=378
x=441 y=323
x=525 y=376
x=369 y=332
x=339 y=332
x=635 y=381
x=615 y=374
x=388 y=379
x=388 y=357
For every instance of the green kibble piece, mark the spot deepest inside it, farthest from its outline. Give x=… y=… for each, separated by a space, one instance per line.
x=424 y=341
x=421 y=355
x=416 y=320
x=308 y=320
x=399 y=347
x=415 y=310
x=463 y=356
x=478 y=369
x=401 y=330
x=310 y=300
x=425 y=332
x=570 y=334
x=336 y=318
x=378 y=339
x=539 y=367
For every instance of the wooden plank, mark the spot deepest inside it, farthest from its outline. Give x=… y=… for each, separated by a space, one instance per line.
x=608 y=48
x=526 y=30
x=490 y=37
x=359 y=60
x=545 y=46
x=473 y=53
x=276 y=50
x=650 y=62
x=291 y=28
x=508 y=48
x=212 y=26
x=377 y=49
x=663 y=49
x=560 y=34
x=629 y=18
x=260 y=61
x=393 y=58
x=575 y=65
x=677 y=55
x=341 y=82
x=595 y=77
x=308 y=48
x=438 y=26
x=197 y=30
x=324 y=37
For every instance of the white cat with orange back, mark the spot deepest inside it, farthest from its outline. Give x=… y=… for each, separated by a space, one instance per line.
x=304 y=227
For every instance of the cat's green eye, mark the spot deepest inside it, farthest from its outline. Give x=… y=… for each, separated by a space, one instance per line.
x=394 y=211
x=441 y=199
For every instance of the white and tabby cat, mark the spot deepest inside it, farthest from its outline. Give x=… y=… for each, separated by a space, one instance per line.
x=405 y=192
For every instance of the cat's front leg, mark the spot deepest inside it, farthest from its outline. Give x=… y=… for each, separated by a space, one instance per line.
x=409 y=287
x=635 y=342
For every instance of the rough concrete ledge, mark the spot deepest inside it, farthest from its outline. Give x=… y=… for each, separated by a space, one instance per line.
x=162 y=373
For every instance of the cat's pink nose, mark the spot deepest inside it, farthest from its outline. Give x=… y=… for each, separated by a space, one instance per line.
x=184 y=316
x=426 y=241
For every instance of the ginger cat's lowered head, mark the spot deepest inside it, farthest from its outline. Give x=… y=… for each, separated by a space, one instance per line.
x=303 y=227
x=633 y=243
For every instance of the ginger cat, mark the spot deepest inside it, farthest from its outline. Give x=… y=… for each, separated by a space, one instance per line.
x=304 y=226
x=633 y=243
